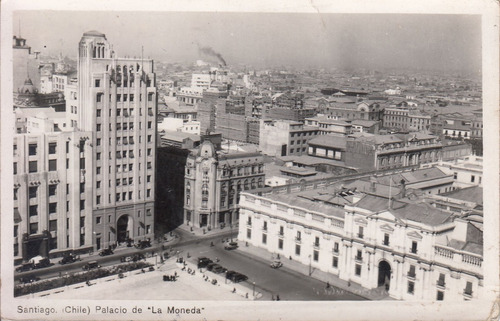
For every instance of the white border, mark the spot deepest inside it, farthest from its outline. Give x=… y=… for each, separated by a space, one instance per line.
x=306 y=310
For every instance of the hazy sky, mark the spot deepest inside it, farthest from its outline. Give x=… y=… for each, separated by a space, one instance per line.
x=439 y=42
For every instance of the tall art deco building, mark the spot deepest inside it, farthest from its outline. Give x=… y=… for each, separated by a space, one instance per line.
x=117 y=98
x=89 y=185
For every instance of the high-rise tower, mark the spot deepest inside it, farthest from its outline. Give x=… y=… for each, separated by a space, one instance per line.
x=117 y=102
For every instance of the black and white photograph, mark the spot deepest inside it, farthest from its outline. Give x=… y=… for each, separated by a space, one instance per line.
x=184 y=162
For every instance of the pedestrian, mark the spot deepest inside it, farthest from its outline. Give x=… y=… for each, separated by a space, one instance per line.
x=277 y=297
x=327 y=285
x=348 y=283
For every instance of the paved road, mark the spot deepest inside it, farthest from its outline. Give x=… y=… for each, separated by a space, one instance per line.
x=288 y=284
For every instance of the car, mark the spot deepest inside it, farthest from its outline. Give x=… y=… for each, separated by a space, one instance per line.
x=29 y=278
x=91 y=265
x=231 y=246
x=45 y=262
x=238 y=277
x=229 y=274
x=203 y=262
x=276 y=264
x=28 y=266
x=143 y=244
x=219 y=269
x=138 y=257
x=67 y=259
x=106 y=252
x=211 y=266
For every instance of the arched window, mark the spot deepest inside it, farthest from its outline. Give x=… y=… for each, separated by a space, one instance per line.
x=246 y=184
x=252 y=184
x=95 y=52
x=260 y=182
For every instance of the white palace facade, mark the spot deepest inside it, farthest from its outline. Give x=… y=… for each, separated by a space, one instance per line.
x=412 y=247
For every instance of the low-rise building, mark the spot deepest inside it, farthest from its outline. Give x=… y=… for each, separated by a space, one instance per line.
x=380 y=237
x=375 y=152
x=282 y=137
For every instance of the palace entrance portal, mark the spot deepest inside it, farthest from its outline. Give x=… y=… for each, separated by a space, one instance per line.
x=384 y=274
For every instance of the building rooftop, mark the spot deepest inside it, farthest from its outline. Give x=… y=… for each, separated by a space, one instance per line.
x=178 y=136
x=469 y=194
x=329 y=141
x=308 y=205
x=364 y=123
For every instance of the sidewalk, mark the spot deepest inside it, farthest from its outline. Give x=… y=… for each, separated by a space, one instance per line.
x=205 y=232
x=335 y=281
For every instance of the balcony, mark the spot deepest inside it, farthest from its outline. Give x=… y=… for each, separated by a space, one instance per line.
x=358 y=259
x=298 y=240
x=335 y=251
x=441 y=284
x=360 y=235
x=411 y=275
x=467 y=293
x=316 y=245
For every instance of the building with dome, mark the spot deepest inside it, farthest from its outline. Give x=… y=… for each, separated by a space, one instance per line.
x=214 y=179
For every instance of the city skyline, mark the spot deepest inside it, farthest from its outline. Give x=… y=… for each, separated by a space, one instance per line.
x=377 y=41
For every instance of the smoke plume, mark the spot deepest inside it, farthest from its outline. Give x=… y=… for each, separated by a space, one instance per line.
x=212 y=53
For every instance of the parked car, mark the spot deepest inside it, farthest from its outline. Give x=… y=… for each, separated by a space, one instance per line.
x=276 y=264
x=106 y=252
x=231 y=246
x=238 y=277
x=28 y=266
x=91 y=265
x=229 y=274
x=29 y=279
x=219 y=269
x=40 y=262
x=203 y=262
x=67 y=259
x=143 y=244
x=138 y=257
x=211 y=266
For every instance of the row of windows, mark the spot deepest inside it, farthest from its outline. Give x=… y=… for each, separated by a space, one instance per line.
x=299 y=134
x=123 y=196
x=122 y=98
x=123 y=181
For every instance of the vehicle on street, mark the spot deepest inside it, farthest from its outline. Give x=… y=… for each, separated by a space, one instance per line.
x=203 y=262
x=29 y=278
x=40 y=262
x=67 y=259
x=91 y=265
x=236 y=276
x=231 y=246
x=137 y=257
x=106 y=252
x=219 y=269
x=211 y=266
x=143 y=244
x=28 y=266
x=276 y=264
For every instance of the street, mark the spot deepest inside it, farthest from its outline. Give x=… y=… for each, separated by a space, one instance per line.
x=282 y=282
